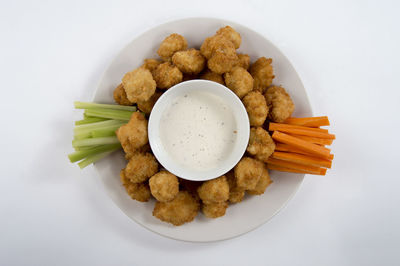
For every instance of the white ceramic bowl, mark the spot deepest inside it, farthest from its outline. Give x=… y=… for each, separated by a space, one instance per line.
x=239 y=114
x=254 y=210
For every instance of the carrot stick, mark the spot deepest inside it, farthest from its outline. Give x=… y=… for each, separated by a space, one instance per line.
x=314 y=139
x=301 y=159
x=299 y=130
x=288 y=148
x=302 y=144
x=284 y=169
x=308 y=121
x=295 y=166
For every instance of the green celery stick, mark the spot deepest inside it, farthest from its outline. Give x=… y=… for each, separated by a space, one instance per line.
x=95 y=141
x=79 y=155
x=111 y=114
x=102 y=133
x=85 y=105
x=94 y=158
x=89 y=120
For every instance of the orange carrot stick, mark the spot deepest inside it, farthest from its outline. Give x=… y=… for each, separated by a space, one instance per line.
x=299 y=130
x=302 y=159
x=295 y=166
x=284 y=169
x=308 y=121
x=288 y=148
x=302 y=144
x=314 y=139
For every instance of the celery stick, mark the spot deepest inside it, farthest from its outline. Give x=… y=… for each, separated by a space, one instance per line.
x=94 y=158
x=79 y=155
x=89 y=120
x=83 y=148
x=108 y=128
x=98 y=125
x=95 y=141
x=85 y=105
x=83 y=135
x=111 y=114
x=102 y=133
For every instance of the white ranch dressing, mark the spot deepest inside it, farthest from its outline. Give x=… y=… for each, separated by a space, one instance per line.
x=198 y=130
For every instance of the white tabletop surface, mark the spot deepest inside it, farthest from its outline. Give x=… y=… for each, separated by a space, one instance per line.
x=52 y=213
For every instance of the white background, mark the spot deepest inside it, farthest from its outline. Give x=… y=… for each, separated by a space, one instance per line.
x=52 y=213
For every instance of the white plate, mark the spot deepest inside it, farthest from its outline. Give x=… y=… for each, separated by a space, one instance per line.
x=254 y=210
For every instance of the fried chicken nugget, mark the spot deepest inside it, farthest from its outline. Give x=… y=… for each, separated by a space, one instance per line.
x=212 y=43
x=166 y=75
x=139 y=85
x=261 y=144
x=151 y=64
x=232 y=35
x=248 y=172
x=209 y=75
x=236 y=194
x=170 y=45
x=239 y=81
x=147 y=106
x=141 y=167
x=190 y=61
x=279 y=103
x=263 y=73
x=256 y=107
x=182 y=209
x=223 y=58
x=262 y=184
x=215 y=190
x=243 y=61
x=133 y=135
x=120 y=96
x=164 y=186
x=137 y=191
x=214 y=210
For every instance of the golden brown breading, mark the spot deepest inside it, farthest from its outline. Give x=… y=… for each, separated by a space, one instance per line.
x=232 y=35
x=243 y=61
x=256 y=107
x=263 y=73
x=236 y=194
x=248 y=172
x=279 y=103
x=182 y=209
x=214 y=210
x=120 y=96
x=151 y=64
x=141 y=167
x=215 y=190
x=210 y=44
x=164 y=186
x=139 y=85
x=137 y=191
x=173 y=43
x=147 y=106
x=239 y=81
x=190 y=61
x=166 y=75
x=262 y=184
x=209 y=75
x=133 y=135
x=223 y=58
x=261 y=144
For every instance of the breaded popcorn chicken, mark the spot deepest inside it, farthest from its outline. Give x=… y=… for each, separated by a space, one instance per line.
x=256 y=107
x=215 y=190
x=212 y=43
x=239 y=81
x=279 y=103
x=133 y=135
x=262 y=184
x=139 y=85
x=137 y=191
x=222 y=59
x=263 y=73
x=167 y=75
x=209 y=75
x=141 y=167
x=170 y=45
x=214 y=210
x=229 y=33
x=164 y=186
x=248 y=172
x=151 y=64
x=261 y=144
x=190 y=61
x=120 y=96
x=182 y=209
x=147 y=106
x=236 y=194
x=243 y=61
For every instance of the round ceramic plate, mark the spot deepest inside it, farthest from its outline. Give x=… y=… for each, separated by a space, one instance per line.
x=254 y=210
